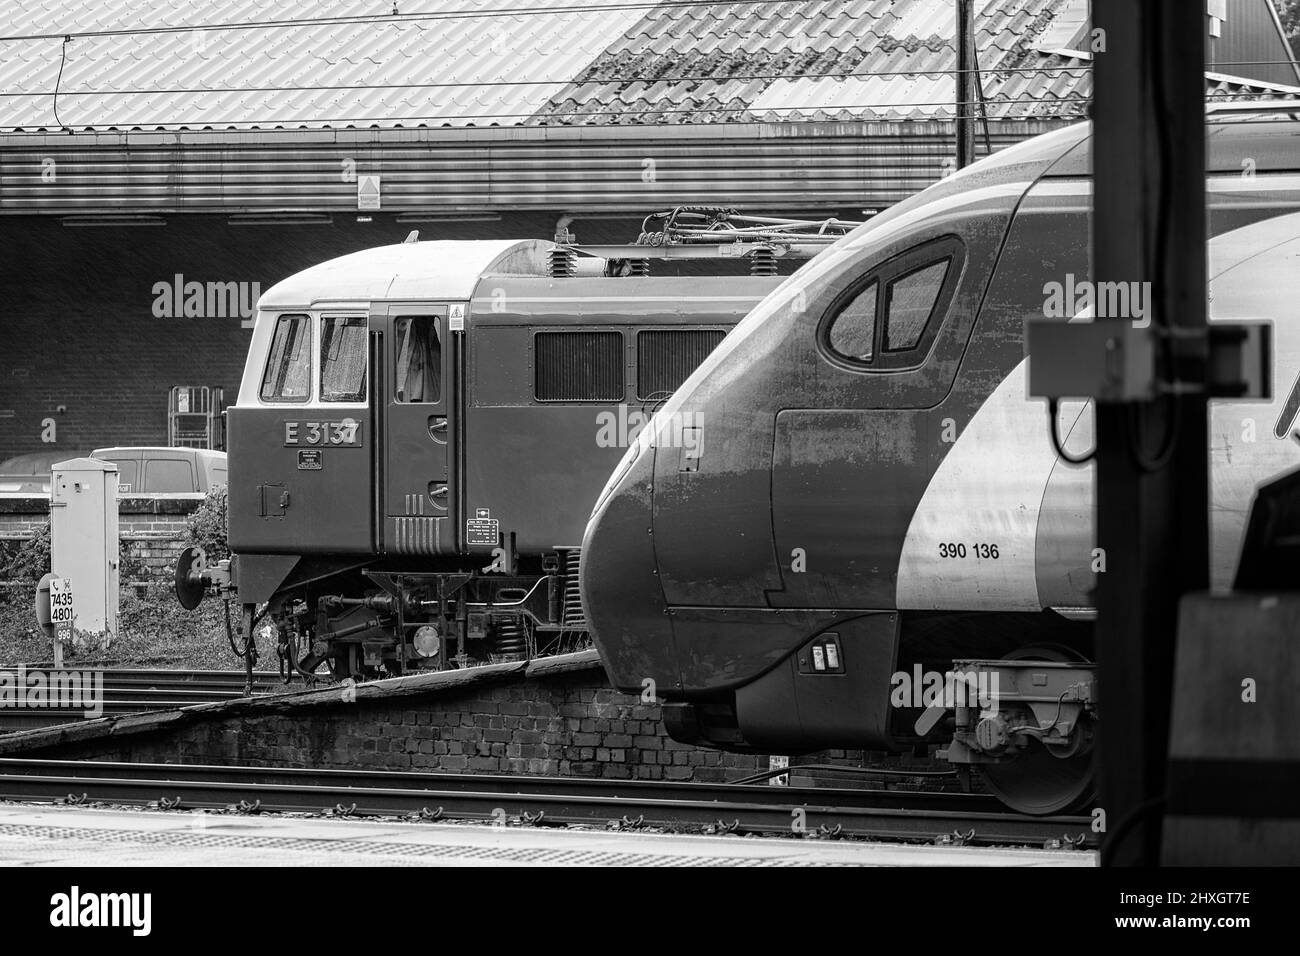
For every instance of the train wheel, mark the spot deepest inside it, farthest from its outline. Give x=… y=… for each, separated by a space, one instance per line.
x=1036 y=782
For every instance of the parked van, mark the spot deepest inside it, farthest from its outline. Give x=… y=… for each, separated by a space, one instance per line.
x=152 y=471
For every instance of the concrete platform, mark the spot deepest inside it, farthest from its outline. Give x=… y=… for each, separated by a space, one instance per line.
x=41 y=835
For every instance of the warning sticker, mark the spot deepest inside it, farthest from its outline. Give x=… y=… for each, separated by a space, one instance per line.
x=485 y=532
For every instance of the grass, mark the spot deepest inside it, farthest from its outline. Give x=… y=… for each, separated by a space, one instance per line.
x=153 y=630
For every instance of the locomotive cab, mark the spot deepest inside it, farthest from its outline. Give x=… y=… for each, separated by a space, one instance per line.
x=420 y=432
x=880 y=547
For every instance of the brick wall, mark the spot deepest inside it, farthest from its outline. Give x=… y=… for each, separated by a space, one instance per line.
x=152 y=530
x=83 y=348
x=550 y=717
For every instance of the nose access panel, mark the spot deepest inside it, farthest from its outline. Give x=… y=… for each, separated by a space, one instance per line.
x=712 y=511
x=844 y=486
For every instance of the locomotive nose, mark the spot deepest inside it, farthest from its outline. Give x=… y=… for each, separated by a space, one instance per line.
x=621 y=595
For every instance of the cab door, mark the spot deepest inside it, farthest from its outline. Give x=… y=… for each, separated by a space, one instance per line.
x=419 y=445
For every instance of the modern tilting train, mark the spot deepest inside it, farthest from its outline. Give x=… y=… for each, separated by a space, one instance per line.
x=420 y=433
x=874 y=518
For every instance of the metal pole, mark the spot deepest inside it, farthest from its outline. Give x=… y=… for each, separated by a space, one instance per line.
x=965 y=41
x=1152 y=457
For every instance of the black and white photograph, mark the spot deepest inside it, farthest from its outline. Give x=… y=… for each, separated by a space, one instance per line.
x=643 y=434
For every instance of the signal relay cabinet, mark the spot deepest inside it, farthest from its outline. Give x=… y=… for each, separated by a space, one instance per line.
x=84 y=540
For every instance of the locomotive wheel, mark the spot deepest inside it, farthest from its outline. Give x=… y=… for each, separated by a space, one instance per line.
x=1036 y=782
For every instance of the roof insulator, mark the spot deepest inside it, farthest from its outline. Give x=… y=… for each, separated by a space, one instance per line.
x=564 y=262
x=762 y=262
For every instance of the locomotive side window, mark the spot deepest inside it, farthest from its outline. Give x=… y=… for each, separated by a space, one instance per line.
x=419 y=360
x=343 y=359
x=853 y=332
x=911 y=299
x=888 y=318
x=288 y=368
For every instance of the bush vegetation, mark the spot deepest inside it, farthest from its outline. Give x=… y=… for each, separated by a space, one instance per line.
x=153 y=629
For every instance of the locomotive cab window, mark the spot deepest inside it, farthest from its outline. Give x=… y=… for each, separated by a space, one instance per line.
x=418 y=359
x=288 y=367
x=888 y=319
x=343 y=359
x=853 y=333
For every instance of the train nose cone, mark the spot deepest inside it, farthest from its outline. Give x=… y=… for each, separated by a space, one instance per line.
x=621 y=595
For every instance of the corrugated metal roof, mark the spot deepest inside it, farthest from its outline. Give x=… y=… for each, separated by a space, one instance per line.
x=470 y=63
x=476 y=70
x=474 y=63
x=827 y=59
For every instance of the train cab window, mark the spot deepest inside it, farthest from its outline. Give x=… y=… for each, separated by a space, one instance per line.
x=853 y=332
x=419 y=360
x=888 y=319
x=343 y=359
x=911 y=299
x=288 y=368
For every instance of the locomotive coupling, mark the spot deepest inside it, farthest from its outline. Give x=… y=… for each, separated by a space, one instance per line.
x=195 y=577
x=385 y=603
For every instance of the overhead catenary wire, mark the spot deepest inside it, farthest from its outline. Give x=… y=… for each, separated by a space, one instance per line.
x=579 y=79
x=608 y=112
x=1066 y=107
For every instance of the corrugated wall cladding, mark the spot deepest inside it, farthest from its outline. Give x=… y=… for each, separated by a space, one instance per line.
x=1251 y=45
x=756 y=166
x=665 y=357
x=578 y=366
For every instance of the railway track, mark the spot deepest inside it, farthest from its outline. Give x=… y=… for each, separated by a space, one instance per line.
x=134 y=691
x=876 y=814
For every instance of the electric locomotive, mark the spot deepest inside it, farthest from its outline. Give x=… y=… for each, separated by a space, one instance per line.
x=420 y=432
x=879 y=516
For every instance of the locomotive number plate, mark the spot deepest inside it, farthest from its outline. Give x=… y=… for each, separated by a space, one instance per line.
x=340 y=434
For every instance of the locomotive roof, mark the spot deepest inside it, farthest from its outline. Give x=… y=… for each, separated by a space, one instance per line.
x=441 y=269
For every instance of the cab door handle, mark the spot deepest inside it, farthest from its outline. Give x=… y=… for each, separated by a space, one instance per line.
x=438 y=429
x=437 y=492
